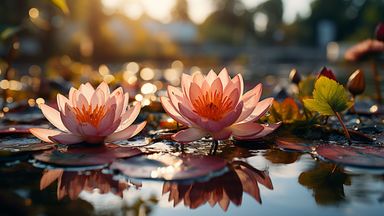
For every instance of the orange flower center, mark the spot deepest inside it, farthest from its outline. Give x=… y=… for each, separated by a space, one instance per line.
x=212 y=105
x=89 y=115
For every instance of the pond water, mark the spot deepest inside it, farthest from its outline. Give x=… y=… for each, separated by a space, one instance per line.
x=259 y=180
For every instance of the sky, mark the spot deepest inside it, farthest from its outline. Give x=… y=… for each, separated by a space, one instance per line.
x=198 y=9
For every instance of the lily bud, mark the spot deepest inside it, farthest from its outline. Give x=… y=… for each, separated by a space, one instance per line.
x=327 y=73
x=379 y=33
x=295 y=76
x=356 y=83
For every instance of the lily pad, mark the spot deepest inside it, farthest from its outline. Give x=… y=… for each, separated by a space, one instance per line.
x=295 y=144
x=358 y=156
x=24 y=117
x=11 y=144
x=17 y=129
x=86 y=156
x=169 y=166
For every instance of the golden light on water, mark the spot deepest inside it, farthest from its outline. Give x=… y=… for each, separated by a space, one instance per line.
x=4 y=84
x=40 y=101
x=31 y=102
x=132 y=67
x=148 y=88
x=33 y=13
x=139 y=97
x=147 y=73
x=103 y=70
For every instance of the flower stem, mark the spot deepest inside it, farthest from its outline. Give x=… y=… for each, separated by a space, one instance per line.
x=376 y=78
x=344 y=127
x=214 y=146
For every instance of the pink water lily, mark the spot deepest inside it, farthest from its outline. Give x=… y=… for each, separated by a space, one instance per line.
x=90 y=115
x=214 y=105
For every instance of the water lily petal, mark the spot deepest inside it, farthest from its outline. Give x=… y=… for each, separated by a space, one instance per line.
x=189 y=115
x=129 y=117
x=176 y=97
x=231 y=117
x=111 y=129
x=49 y=177
x=194 y=92
x=198 y=78
x=87 y=129
x=81 y=102
x=53 y=116
x=44 y=134
x=126 y=133
x=87 y=90
x=250 y=99
x=66 y=138
x=185 y=84
x=189 y=135
x=224 y=77
x=125 y=103
x=267 y=129
x=261 y=108
x=246 y=129
x=71 y=95
x=104 y=87
x=69 y=119
x=211 y=77
x=217 y=87
x=222 y=135
x=61 y=101
x=172 y=112
x=107 y=120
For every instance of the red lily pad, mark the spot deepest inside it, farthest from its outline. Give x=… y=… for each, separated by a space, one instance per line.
x=17 y=129
x=86 y=156
x=358 y=156
x=295 y=144
x=169 y=166
x=11 y=145
x=24 y=117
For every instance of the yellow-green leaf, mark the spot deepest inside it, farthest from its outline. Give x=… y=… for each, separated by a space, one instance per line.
x=306 y=86
x=9 y=32
x=62 y=5
x=328 y=97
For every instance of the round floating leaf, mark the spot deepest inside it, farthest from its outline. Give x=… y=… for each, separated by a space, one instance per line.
x=17 y=129
x=169 y=166
x=359 y=156
x=295 y=144
x=86 y=156
x=11 y=144
x=24 y=117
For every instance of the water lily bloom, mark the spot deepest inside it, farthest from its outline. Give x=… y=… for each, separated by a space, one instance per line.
x=222 y=190
x=214 y=105
x=90 y=115
x=327 y=73
x=363 y=49
x=379 y=32
x=71 y=183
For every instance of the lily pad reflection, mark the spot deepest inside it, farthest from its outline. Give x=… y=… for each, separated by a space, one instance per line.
x=169 y=166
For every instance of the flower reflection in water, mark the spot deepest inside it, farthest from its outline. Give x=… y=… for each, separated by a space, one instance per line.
x=71 y=184
x=223 y=190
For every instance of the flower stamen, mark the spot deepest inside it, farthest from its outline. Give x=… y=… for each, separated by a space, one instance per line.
x=212 y=105
x=90 y=115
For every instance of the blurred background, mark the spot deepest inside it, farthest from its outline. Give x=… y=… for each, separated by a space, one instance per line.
x=143 y=45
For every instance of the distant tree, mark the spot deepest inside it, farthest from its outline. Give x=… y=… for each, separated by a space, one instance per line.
x=273 y=9
x=180 y=11
x=231 y=23
x=353 y=20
